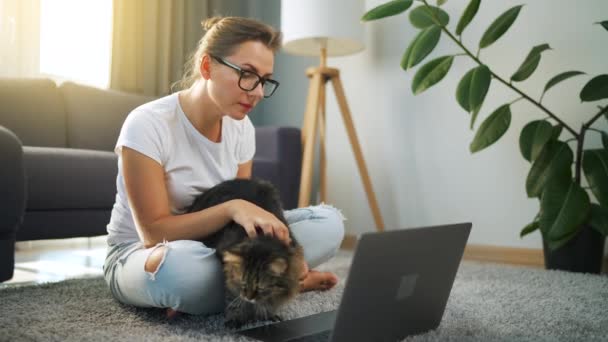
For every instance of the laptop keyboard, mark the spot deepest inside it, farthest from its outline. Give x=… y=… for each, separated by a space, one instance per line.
x=318 y=337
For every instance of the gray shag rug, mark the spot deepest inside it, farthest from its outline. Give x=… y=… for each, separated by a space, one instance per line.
x=488 y=302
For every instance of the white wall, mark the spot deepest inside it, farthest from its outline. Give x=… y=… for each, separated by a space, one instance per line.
x=416 y=147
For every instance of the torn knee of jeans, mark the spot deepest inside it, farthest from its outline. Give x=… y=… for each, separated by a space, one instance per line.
x=318 y=214
x=154 y=261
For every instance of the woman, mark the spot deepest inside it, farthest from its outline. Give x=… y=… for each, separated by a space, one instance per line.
x=172 y=149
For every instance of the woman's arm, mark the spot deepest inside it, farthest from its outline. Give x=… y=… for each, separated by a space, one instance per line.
x=244 y=170
x=149 y=202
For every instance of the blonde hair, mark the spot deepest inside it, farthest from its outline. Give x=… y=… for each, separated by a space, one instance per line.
x=222 y=36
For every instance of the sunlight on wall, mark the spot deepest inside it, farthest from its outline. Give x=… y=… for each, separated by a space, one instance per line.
x=76 y=40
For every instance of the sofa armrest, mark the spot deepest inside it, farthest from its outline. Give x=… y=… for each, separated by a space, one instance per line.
x=12 y=198
x=278 y=159
x=12 y=181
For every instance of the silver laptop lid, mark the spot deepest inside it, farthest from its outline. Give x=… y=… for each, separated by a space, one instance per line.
x=399 y=282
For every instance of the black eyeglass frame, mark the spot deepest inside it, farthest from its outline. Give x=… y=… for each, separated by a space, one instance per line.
x=241 y=72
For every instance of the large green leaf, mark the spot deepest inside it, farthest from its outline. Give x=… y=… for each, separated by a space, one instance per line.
x=599 y=219
x=554 y=160
x=595 y=89
x=421 y=46
x=463 y=90
x=431 y=73
x=555 y=244
x=561 y=77
x=499 y=27
x=387 y=9
x=492 y=128
x=530 y=63
x=467 y=16
x=595 y=165
x=604 y=24
x=533 y=138
x=531 y=227
x=424 y=16
x=565 y=206
x=472 y=90
x=557 y=131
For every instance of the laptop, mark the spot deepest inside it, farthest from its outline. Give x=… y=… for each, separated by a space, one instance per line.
x=398 y=285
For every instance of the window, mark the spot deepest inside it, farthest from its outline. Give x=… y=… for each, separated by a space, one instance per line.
x=76 y=40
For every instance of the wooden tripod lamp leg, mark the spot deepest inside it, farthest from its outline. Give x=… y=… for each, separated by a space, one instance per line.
x=322 y=159
x=352 y=136
x=310 y=127
x=309 y=112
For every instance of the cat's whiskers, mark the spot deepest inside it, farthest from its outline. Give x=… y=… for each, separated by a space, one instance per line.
x=235 y=303
x=232 y=301
x=260 y=313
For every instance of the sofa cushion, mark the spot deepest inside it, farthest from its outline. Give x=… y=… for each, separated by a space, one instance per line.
x=62 y=224
x=66 y=178
x=33 y=109
x=94 y=116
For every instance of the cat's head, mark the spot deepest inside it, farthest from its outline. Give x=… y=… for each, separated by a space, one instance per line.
x=263 y=270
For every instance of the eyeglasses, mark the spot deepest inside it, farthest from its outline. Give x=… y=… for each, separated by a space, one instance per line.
x=248 y=80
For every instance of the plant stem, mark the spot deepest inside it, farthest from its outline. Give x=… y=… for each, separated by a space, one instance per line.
x=581 y=141
x=508 y=84
x=540 y=100
x=579 y=155
x=517 y=99
x=597 y=116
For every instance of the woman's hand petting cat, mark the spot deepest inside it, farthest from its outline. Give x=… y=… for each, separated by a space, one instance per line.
x=254 y=218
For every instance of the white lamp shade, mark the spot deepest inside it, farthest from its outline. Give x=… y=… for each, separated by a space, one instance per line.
x=309 y=25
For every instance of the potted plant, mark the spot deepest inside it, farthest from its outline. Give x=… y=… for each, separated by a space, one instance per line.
x=573 y=217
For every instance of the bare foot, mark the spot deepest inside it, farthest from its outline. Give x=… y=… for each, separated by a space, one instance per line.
x=315 y=280
x=171 y=314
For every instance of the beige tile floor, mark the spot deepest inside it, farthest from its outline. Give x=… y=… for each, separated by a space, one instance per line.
x=56 y=260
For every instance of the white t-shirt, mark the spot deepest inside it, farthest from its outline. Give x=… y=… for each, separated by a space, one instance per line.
x=192 y=163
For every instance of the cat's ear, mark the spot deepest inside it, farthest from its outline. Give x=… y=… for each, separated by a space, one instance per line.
x=278 y=266
x=232 y=258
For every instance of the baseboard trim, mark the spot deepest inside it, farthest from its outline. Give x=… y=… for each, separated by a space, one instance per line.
x=505 y=255
x=531 y=257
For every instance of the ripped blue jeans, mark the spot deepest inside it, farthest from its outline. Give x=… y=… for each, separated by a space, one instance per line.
x=190 y=277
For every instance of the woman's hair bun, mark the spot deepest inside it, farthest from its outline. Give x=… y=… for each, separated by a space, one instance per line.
x=210 y=22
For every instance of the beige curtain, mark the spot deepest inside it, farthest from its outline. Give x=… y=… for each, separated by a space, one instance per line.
x=19 y=38
x=151 y=41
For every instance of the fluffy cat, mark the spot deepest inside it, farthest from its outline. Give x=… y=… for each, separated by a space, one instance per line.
x=261 y=274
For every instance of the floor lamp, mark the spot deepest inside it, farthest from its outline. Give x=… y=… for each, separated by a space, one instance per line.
x=322 y=28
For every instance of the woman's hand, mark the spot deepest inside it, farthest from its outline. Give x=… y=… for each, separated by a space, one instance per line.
x=254 y=218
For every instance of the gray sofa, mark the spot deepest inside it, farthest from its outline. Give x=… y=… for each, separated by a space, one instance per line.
x=58 y=171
